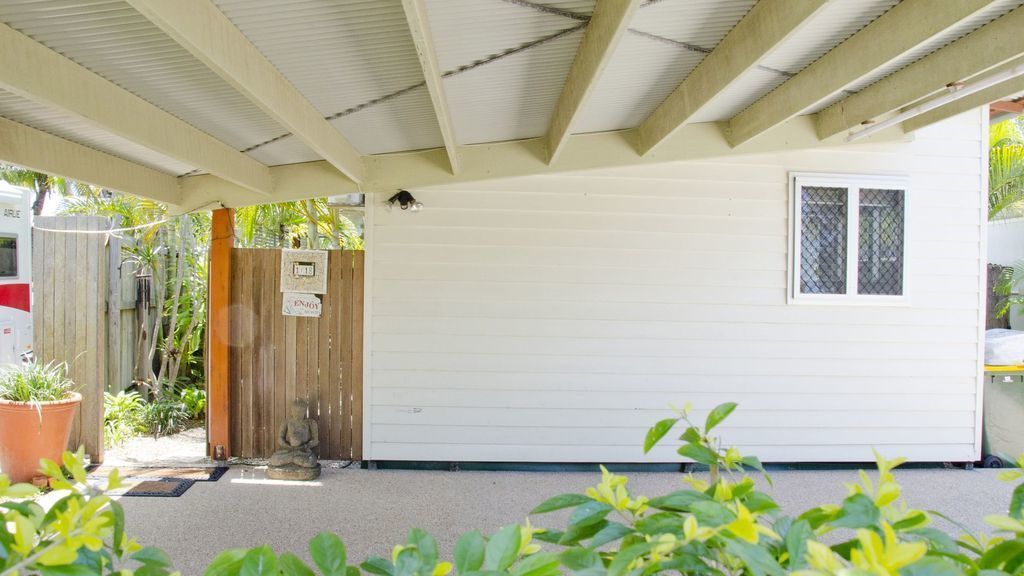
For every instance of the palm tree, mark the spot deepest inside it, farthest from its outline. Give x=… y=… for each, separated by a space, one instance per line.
x=311 y=223
x=1006 y=169
x=42 y=184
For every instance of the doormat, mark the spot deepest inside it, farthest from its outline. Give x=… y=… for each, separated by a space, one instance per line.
x=199 y=474
x=168 y=488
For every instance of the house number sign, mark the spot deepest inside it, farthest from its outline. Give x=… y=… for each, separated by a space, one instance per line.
x=304 y=271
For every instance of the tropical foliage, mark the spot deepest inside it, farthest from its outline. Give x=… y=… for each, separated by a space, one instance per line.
x=307 y=223
x=723 y=524
x=1006 y=169
x=43 y=184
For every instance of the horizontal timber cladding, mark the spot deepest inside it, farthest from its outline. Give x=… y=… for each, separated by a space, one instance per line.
x=554 y=318
x=276 y=358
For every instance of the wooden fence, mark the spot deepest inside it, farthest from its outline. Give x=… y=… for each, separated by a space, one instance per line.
x=70 y=291
x=276 y=358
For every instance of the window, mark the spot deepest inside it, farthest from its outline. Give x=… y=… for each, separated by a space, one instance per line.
x=8 y=257
x=849 y=238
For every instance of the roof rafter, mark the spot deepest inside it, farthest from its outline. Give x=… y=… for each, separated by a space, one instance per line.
x=207 y=33
x=33 y=71
x=902 y=28
x=993 y=44
x=42 y=152
x=981 y=98
x=606 y=28
x=768 y=24
x=416 y=16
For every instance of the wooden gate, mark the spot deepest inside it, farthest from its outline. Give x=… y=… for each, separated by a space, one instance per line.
x=275 y=358
x=70 y=282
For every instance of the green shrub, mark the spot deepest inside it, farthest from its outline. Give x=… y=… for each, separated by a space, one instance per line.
x=33 y=382
x=721 y=526
x=123 y=417
x=166 y=415
x=194 y=400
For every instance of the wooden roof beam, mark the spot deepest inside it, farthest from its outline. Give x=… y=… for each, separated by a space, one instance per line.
x=33 y=71
x=207 y=33
x=416 y=16
x=991 y=45
x=768 y=24
x=605 y=30
x=36 y=150
x=904 y=27
x=976 y=100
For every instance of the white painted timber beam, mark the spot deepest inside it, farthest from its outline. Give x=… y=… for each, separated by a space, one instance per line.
x=207 y=33
x=768 y=24
x=390 y=172
x=36 y=150
x=904 y=27
x=419 y=27
x=607 y=26
x=999 y=41
x=982 y=98
x=33 y=71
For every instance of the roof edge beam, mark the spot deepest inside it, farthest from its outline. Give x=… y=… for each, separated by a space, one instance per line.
x=605 y=30
x=42 y=152
x=894 y=33
x=768 y=24
x=993 y=44
x=207 y=33
x=426 y=168
x=981 y=98
x=416 y=16
x=33 y=71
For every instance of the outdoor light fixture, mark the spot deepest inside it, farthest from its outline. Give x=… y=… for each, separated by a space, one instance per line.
x=404 y=200
x=957 y=91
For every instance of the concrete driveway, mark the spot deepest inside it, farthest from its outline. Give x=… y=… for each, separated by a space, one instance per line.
x=373 y=509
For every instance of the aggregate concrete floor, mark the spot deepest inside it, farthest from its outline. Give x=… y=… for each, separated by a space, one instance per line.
x=373 y=509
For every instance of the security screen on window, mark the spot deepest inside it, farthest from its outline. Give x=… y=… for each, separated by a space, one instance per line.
x=849 y=238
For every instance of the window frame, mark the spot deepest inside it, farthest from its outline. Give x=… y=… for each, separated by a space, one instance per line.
x=853 y=183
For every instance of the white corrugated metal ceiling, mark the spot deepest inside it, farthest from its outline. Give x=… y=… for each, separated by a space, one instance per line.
x=503 y=62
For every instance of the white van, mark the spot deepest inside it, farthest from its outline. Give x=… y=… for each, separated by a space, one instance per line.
x=15 y=273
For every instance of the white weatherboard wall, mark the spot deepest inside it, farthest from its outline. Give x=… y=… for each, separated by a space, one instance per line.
x=555 y=318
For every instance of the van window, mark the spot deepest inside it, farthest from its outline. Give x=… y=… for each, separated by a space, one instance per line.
x=8 y=256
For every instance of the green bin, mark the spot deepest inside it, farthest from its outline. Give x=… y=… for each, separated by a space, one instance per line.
x=1003 y=424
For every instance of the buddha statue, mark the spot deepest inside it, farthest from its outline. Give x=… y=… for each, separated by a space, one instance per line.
x=296 y=439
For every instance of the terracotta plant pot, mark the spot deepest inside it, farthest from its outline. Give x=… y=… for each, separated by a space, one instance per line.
x=25 y=438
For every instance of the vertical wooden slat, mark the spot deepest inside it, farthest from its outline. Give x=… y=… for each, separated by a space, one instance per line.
x=247 y=311
x=49 y=264
x=81 y=263
x=267 y=317
x=39 y=297
x=313 y=366
x=236 y=353
x=346 y=356
x=323 y=367
x=113 y=382
x=356 y=373
x=301 y=377
x=334 y=287
x=91 y=323
x=280 y=354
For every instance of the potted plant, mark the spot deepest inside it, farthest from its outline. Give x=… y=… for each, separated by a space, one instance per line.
x=37 y=406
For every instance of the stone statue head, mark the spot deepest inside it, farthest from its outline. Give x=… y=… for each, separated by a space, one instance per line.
x=299 y=407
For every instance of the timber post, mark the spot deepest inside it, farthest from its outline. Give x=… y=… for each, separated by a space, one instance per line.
x=218 y=384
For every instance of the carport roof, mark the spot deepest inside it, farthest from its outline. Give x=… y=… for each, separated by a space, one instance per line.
x=243 y=101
